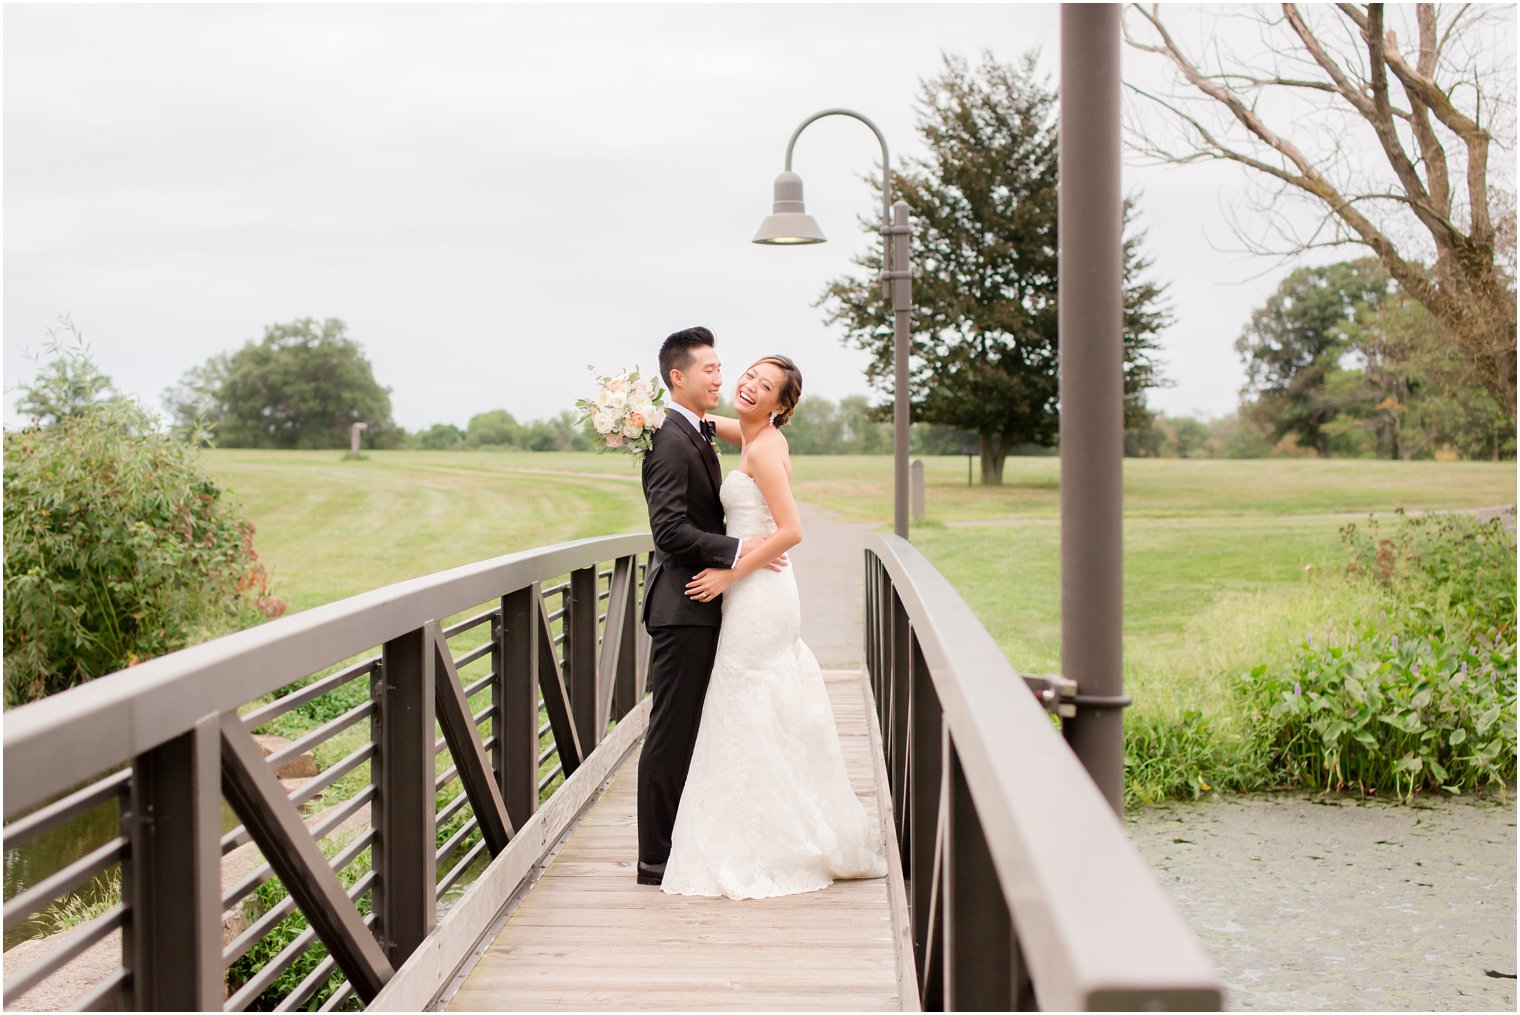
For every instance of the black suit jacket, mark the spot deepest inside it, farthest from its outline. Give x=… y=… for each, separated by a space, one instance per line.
x=681 y=480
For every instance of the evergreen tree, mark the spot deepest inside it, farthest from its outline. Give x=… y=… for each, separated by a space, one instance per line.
x=984 y=207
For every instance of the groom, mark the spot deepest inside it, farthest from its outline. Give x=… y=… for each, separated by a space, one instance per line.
x=681 y=481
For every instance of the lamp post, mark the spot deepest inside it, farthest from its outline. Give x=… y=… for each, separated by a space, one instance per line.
x=789 y=224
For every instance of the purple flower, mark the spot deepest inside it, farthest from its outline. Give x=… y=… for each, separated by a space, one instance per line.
x=1297 y=691
x=1309 y=639
x=1395 y=643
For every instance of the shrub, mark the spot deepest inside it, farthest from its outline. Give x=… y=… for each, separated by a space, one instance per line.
x=1406 y=683
x=1470 y=562
x=1408 y=701
x=117 y=548
x=1172 y=757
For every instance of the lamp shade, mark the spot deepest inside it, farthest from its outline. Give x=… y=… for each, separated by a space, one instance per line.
x=789 y=222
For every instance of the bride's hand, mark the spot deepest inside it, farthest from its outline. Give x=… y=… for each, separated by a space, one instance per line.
x=709 y=584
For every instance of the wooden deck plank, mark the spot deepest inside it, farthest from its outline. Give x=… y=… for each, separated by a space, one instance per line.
x=587 y=937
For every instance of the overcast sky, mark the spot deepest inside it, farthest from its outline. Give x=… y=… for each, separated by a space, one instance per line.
x=494 y=197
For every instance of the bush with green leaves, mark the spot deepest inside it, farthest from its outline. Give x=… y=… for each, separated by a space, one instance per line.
x=1395 y=704
x=118 y=547
x=1471 y=563
x=1419 y=692
x=1408 y=685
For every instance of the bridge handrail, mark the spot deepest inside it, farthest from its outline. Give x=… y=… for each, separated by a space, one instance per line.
x=163 y=745
x=984 y=788
x=55 y=743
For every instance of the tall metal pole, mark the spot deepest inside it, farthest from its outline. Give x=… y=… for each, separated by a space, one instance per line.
x=1092 y=391
x=900 y=276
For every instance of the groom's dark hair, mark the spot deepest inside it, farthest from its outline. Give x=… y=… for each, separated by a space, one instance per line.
x=675 y=353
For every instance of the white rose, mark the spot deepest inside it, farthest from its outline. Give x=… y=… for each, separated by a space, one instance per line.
x=602 y=421
x=644 y=388
x=630 y=429
x=655 y=418
x=617 y=399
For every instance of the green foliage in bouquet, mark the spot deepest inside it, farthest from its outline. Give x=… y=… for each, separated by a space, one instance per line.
x=624 y=413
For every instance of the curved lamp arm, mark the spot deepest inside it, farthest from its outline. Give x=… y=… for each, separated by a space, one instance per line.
x=886 y=159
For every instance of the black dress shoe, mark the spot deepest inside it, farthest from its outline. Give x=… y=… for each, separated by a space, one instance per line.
x=651 y=873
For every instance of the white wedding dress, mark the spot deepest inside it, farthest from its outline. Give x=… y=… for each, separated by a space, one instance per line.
x=767 y=809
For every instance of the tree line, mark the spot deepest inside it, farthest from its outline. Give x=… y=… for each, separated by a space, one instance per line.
x=1341 y=362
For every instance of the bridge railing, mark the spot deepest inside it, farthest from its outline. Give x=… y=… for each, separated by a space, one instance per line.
x=432 y=750
x=1023 y=890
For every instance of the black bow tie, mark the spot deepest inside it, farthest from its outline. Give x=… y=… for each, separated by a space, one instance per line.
x=709 y=429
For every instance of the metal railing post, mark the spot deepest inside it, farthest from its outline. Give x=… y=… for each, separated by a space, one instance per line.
x=925 y=772
x=172 y=878
x=1091 y=306
x=625 y=689
x=403 y=814
x=517 y=702
x=983 y=971
x=581 y=607
x=897 y=732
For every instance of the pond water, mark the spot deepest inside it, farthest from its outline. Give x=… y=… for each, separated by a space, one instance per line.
x=59 y=847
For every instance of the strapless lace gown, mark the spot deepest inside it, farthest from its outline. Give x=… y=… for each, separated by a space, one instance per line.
x=767 y=809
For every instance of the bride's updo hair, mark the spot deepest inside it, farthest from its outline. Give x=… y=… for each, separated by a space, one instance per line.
x=791 y=387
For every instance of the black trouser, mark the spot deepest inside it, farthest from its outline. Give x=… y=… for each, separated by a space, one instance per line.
x=680 y=664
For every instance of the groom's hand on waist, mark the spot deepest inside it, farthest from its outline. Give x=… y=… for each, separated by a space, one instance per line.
x=749 y=544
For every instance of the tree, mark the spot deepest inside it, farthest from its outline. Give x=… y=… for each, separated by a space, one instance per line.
x=1327 y=79
x=441 y=437
x=496 y=428
x=67 y=381
x=814 y=428
x=302 y=386
x=861 y=431
x=1294 y=343
x=984 y=203
x=1422 y=401
x=118 y=547
x=194 y=401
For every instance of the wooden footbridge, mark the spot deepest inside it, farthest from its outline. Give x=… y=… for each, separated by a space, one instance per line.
x=448 y=818
x=467 y=840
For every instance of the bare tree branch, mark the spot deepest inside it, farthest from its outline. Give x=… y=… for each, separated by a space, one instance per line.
x=1402 y=218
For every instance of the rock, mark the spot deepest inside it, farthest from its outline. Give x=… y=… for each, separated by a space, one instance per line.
x=291 y=785
x=302 y=766
x=61 y=991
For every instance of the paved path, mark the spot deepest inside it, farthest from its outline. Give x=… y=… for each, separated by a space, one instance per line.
x=830 y=565
x=587 y=938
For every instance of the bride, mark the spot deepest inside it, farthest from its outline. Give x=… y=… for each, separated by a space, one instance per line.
x=767 y=809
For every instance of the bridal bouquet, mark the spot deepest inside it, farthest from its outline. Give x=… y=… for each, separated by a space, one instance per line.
x=624 y=414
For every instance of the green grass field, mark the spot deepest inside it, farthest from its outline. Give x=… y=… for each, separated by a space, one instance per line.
x=329 y=528
x=1202 y=538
